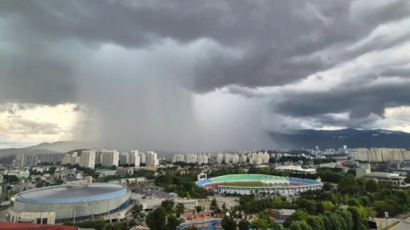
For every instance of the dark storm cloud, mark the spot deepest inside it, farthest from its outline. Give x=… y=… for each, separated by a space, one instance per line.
x=267 y=33
x=360 y=101
x=89 y=52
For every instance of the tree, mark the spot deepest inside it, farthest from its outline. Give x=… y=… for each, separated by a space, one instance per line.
x=260 y=223
x=198 y=208
x=372 y=186
x=244 y=224
x=315 y=222
x=156 y=219
x=357 y=218
x=214 y=206
x=172 y=222
x=300 y=225
x=179 y=209
x=224 y=208
x=327 y=186
x=228 y=223
x=168 y=205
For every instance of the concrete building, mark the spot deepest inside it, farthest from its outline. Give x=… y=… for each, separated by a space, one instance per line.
x=24 y=160
x=243 y=158
x=124 y=158
x=219 y=158
x=228 y=158
x=178 y=158
x=393 y=179
x=110 y=158
x=66 y=159
x=381 y=154
x=296 y=169
x=74 y=202
x=71 y=159
x=134 y=158
x=143 y=158
x=191 y=158
x=87 y=159
x=235 y=158
x=363 y=170
x=203 y=158
x=152 y=159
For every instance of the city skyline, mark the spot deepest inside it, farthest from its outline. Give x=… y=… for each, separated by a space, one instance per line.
x=214 y=76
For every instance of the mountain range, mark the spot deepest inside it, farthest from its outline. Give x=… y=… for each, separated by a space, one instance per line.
x=353 y=138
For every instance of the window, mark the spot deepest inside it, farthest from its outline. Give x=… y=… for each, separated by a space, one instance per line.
x=38 y=221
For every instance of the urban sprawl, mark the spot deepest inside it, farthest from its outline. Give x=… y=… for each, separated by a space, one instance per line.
x=344 y=188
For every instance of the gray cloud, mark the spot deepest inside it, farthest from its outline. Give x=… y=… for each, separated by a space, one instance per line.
x=138 y=65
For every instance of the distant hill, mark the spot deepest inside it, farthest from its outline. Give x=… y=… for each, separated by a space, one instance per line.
x=62 y=146
x=353 y=138
x=54 y=147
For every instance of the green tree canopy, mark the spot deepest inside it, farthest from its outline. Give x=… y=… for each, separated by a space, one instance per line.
x=156 y=219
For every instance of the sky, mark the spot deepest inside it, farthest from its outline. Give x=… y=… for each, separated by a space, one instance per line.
x=182 y=75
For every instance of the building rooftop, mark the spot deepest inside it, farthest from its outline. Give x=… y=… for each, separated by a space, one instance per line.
x=70 y=193
x=19 y=226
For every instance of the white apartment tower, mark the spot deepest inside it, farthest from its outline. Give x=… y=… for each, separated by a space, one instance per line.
x=87 y=159
x=219 y=158
x=143 y=158
x=152 y=159
x=178 y=158
x=202 y=159
x=110 y=158
x=134 y=158
x=124 y=159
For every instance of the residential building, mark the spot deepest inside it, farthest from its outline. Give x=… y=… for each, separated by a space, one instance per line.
x=178 y=158
x=152 y=159
x=134 y=158
x=87 y=159
x=110 y=158
x=124 y=159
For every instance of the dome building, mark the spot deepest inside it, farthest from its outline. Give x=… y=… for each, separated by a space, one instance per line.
x=68 y=202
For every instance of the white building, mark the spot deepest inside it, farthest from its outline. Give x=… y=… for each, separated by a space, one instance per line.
x=228 y=158
x=235 y=158
x=110 y=158
x=134 y=158
x=178 y=158
x=202 y=159
x=296 y=169
x=87 y=159
x=265 y=157
x=152 y=159
x=124 y=159
x=243 y=158
x=191 y=158
x=381 y=154
x=66 y=159
x=71 y=159
x=219 y=158
x=143 y=158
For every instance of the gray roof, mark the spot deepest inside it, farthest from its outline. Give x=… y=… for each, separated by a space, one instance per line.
x=72 y=193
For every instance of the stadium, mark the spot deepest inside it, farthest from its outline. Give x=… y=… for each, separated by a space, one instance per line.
x=257 y=184
x=62 y=203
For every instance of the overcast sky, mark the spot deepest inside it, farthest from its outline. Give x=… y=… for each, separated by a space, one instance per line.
x=200 y=75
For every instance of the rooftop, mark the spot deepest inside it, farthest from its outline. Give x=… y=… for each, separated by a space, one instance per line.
x=68 y=193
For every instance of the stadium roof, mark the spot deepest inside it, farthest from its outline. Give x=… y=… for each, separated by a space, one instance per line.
x=19 y=226
x=245 y=177
x=72 y=193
